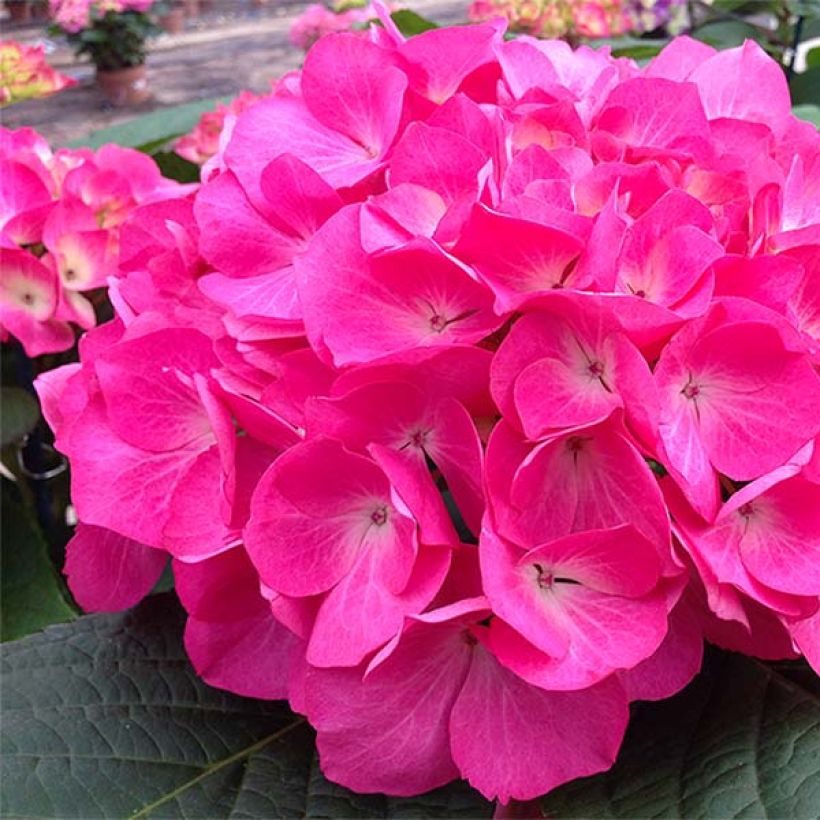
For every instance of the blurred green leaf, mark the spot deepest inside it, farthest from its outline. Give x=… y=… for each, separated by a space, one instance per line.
x=19 y=413
x=813 y=57
x=410 y=23
x=805 y=8
x=727 y=33
x=809 y=113
x=635 y=47
x=32 y=596
x=152 y=131
x=805 y=87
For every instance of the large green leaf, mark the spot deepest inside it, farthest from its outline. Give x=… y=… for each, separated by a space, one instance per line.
x=742 y=741
x=151 y=132
x=105 y=718
x=31 y=595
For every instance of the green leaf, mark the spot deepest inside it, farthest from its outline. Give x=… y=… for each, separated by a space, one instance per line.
x=173 y=166
x=152 y=131
x=106 y=718
x=727 y=33
x=813 y=57
x=810 y=113
x=31 y=594
x=410 y=23
x=19 y=413
x=635 y=47
x=740 y=741
x=805 y=87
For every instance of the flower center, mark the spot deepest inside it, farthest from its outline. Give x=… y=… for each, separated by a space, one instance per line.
x=379 y=516
x=438 y=322
x=596 y=368
x=575 y=444
x=544 y=578
x=746 y=510
x=691 y=391
x=547 y=579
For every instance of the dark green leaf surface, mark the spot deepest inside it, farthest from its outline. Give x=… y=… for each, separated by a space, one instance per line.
x=31 y=595
x=740 y=741
x=805 y=87
x=106 y=718
x=19 y=413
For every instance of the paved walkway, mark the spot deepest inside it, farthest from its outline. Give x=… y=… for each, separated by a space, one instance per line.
x=233 y=47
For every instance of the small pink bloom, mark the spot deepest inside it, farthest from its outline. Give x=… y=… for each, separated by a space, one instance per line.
x=326 y=521
x=734 y=398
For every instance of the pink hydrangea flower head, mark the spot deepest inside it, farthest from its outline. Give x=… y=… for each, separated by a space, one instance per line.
x=471 y=390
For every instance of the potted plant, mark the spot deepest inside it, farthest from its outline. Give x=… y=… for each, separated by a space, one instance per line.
x=115 y=40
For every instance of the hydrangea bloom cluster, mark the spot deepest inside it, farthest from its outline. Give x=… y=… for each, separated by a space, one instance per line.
x=474 y=387
x=557 y=18
x=60 y=218
x=25 y=74
x=648 y=15
x=319 y=20
x=75 y=15
x=582 y=18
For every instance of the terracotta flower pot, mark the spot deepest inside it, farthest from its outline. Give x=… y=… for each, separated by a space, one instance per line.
x=174 y=21
x=124 y=86
x=19 y=11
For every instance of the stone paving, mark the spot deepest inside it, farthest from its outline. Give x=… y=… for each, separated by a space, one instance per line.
x=233 y=46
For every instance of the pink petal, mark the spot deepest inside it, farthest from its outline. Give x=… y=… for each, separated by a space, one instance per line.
x=503 y=732
x=316 y=511
x=361 y=614
x=350 y=86
x=108 y=572
x=440 y=59
x=744 y=83
x=780 y=541
x=138 y=484
x=236 y=239
x=389 y=733
x=249 y=657
x=517 y=258
x=674 y=664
